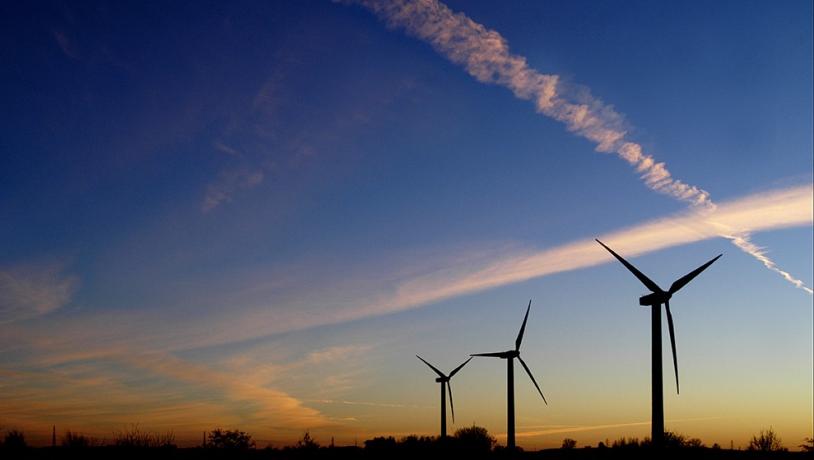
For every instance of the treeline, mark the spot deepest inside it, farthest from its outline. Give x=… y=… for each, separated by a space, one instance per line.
x=471 y=442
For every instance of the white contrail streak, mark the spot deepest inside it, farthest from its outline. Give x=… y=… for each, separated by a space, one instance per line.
x=91 y=336
x=485 y=55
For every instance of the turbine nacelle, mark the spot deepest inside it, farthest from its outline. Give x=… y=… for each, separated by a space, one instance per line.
x=654 y=299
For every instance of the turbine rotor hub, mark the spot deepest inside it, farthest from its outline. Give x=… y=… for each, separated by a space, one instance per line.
x=654 y=298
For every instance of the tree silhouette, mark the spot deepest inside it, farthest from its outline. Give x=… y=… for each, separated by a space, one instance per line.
x=230 y=439
x=14 y=440
x=766 y=441
x=569 y=443
x=475 y=438
x=77 y=441
x=134 y=438
x=307 y=442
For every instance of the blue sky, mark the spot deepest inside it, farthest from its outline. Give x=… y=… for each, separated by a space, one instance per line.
x=280 y=194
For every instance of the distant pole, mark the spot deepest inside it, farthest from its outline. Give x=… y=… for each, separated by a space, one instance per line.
x=54 y=436
x=443 y=410
x=510 y=405
x=657 y=425
x=203 y=439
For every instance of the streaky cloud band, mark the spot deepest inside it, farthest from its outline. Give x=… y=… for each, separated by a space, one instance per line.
x=485 y=55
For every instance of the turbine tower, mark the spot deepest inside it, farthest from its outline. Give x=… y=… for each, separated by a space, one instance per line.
x=655 y=299
x=509 y=357
x=444 y=381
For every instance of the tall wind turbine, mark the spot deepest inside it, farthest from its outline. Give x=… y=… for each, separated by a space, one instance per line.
x=444 y=381
x=509 y=357
x=655 y=299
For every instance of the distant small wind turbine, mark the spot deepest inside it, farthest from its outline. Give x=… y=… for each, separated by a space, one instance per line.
x=444 y=381
x=657 y=297
x=509 y=357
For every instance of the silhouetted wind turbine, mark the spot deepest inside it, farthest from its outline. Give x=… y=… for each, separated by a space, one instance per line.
x=657 y=297
x=444 y=381
x=509 y=357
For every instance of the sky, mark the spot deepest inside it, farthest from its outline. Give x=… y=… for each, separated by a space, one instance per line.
x=253 y=215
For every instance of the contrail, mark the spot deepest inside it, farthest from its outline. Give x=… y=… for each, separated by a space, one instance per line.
x=575 y=429
x=485 y=55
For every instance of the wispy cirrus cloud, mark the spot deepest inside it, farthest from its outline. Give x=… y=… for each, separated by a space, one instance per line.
x=65 y=44
x=317 y=302
x=228 y=182
x=485 y=55
x=558 y=429
x=106 y=389
x=31 y=290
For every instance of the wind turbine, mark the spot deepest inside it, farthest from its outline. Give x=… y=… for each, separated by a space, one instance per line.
x=509 y=357
x=444 y=381
x=655 y=299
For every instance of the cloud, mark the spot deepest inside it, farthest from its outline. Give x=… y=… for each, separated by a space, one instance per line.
x=229 y=182
x=577 y=429
x=65 y=44
x=385 y=292
x=269 y=406
x=31 y=290
x=153 y=388
x=485 y=55
x=332 y=354
x=368 y=404
x=315 y=302
x=763 y=211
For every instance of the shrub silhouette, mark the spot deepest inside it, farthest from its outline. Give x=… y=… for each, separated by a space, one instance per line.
x=381 y=443
x=475 y=438
x=14 y=440
x=766 y=441
x=307 y=442
x=625 y=443
x=807 y=445
x=229 y=439
x=134 y=438
x=672 y=440
x=78 y=441
x=413 y=443
x=569 y=443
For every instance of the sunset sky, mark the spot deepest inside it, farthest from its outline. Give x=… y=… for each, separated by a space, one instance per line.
x=254 y=214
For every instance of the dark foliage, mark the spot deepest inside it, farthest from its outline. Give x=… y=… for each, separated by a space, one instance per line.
x=78 y=441
x=766 y=441
x=14 y=440
x=474 y=438
x=230 y=439
x=134 y=438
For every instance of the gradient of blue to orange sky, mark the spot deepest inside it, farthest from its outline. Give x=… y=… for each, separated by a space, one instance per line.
x=254 y=214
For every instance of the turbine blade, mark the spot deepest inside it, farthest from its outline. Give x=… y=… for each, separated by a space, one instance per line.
x=455 y=371
x=528 y=371
x=451 y=404
x=501 y=354
x=681 y=282
x=645 y=280
x=672 y=341
x=440 y=374
x=522 y=329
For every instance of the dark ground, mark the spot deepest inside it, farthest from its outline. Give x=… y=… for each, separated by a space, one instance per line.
x=342 y=453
